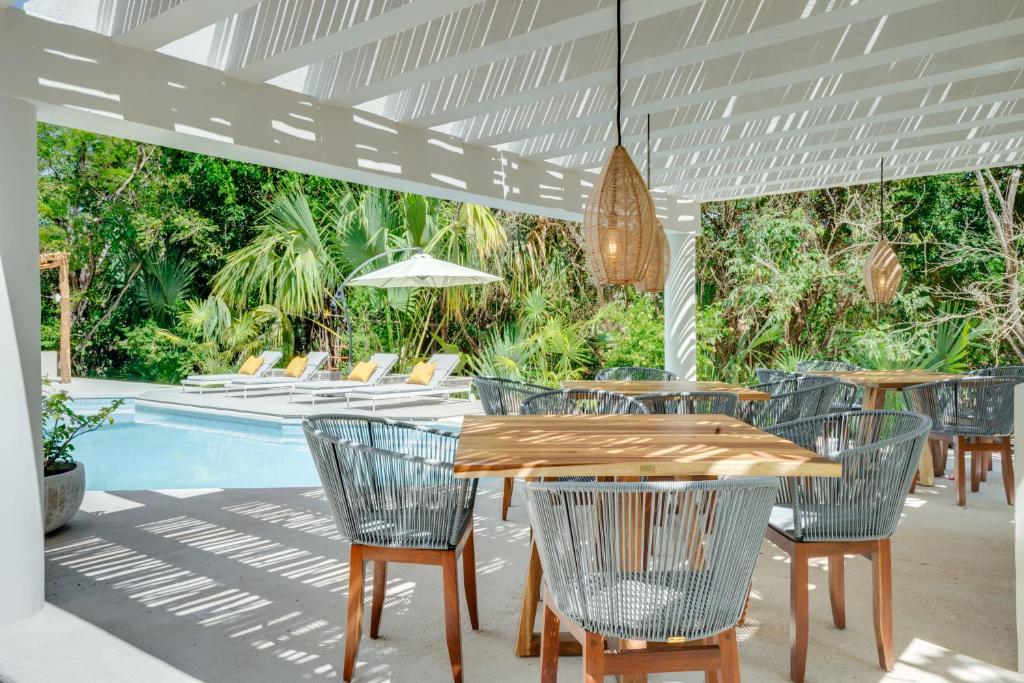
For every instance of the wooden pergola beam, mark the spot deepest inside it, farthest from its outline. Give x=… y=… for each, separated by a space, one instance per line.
x=59 y=260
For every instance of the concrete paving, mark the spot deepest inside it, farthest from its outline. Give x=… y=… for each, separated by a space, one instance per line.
x=250 y=585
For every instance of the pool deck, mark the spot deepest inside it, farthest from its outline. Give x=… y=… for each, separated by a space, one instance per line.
x=269 y=405
x=250 y=585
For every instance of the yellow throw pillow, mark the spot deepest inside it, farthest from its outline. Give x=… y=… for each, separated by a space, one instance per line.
x=422 y=373
x=362 y=371
x=296 y=367
x=251 y=365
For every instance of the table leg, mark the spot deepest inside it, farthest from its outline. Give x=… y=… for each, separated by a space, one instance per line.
x=926 y=467
x=874 y=398
x=528 y=640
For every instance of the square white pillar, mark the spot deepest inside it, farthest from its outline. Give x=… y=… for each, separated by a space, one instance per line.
x=681 y=298
x=21 y=515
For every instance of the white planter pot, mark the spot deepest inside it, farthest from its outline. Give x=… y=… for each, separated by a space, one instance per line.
x=63 y=494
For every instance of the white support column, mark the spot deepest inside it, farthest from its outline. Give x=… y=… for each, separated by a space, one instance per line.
x=681 y=298
x=21 y=517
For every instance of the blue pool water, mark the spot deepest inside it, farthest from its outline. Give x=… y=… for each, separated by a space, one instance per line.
x=151 y=448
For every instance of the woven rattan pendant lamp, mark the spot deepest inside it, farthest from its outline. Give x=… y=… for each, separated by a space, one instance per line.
x=657 y=267
x=882 y=269
x=619 y=225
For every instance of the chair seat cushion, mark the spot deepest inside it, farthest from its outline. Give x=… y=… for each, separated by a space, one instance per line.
x=641 y=605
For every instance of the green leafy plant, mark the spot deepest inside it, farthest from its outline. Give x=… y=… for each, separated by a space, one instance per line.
x=62 y=425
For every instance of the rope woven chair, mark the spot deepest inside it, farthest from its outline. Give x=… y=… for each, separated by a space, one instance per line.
x=501 y=396
x=768 y=376
x=652 y=562
x=855 y=514
x=392 y=493
x=1007 y=371
x=690 y=403
x=848 y=396
x=581 y=402
x=635 y=374
x=973 y=415
x=790 y=399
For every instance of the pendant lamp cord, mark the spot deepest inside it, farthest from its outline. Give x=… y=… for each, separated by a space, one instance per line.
x=618 y=72
x=881 y=197
x=648 y=151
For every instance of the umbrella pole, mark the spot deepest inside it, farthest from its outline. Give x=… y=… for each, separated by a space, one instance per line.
x=339 y=294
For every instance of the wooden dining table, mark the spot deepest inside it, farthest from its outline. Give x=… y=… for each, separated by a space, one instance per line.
x=637 y=387
x=626 y=447
x=877 y=383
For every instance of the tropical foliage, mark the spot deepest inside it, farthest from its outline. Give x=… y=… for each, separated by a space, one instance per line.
x=183 y=263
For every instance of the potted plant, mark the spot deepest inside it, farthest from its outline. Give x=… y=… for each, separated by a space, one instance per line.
x=63 y=477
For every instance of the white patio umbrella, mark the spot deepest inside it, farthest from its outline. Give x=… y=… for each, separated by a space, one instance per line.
x=419 y=270
x=423 y=270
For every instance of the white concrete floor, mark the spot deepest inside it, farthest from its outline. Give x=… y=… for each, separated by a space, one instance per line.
x=250 y=585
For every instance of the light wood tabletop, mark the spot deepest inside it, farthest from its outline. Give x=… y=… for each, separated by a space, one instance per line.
x=886 y=379
x=634 y=388
x=628 y=446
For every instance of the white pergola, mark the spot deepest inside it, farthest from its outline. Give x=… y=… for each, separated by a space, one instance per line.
x=508 y=103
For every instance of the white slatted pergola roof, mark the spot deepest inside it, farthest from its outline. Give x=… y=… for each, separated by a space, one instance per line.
x=746 y=97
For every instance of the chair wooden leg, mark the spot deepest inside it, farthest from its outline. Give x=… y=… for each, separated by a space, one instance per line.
x=913 y=483
x=452 y=629
x=380 y=581
x=798 y=589
x=356 y=580
x=469 y=580
x=881 y=584
x=506 y=497
x=730 y=656
x=1006 y=464
x=961 y=473
x=836 y=589
x=988 y=457
x=712 y=675
x=593 y=658
x=550 y=636
x=986 y=465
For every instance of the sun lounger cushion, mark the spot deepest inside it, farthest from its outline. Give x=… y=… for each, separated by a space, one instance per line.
x=362 y=371
x=251 y=365
x=422 y=373
x=296 y=366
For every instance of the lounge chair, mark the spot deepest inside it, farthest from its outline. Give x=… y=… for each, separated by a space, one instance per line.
x=337 y=387
x=445 y=364
x=201 y=382
x=314 y=361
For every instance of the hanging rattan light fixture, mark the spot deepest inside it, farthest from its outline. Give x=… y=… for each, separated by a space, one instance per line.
x=882 y=269
x=657 y=267
x=619 y=225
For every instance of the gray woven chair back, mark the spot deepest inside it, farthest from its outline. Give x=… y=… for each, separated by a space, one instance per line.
x=767 y=376
x=391 y=483
x=805 y=396
x=684 y=572
x=690 y=403
x=1006 y=371
x=826 y=366
x=975 y=406
x=501 y=396
x=848 y=396
x=635 y=374
x=581 y=402
x=879 y=451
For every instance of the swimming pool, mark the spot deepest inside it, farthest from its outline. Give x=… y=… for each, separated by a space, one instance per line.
x=154 y=448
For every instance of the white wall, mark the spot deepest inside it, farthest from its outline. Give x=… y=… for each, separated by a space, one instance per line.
x=21 y=518
x=681 y=298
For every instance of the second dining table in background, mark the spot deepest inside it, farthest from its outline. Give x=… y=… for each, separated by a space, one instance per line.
x=638 y=387
x=876 y=383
